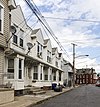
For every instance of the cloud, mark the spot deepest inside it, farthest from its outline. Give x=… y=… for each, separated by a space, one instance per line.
x=82 y=33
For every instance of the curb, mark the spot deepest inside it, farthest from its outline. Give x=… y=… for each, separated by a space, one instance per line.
x=39 y=102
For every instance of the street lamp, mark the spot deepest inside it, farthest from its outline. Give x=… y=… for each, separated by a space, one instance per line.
x=81 y=56
x=74 y=62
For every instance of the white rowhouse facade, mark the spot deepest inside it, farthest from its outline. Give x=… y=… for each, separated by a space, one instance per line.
x=40 y=65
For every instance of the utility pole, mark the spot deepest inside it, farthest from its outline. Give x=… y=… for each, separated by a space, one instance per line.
x=74 y=64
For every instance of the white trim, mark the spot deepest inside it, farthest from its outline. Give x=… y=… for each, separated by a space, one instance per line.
x=2 y=17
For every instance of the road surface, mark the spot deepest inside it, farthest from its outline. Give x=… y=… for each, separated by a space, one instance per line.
x=83 y=96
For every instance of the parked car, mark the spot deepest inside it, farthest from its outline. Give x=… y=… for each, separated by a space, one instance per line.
x=98 y=83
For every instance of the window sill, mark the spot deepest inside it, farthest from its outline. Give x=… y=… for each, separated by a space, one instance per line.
x=15 y=44
x=18 y=46
x=21 y=47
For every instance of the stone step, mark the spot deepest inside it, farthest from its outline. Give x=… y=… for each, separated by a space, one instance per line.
x=39 y=92
x=36 y=90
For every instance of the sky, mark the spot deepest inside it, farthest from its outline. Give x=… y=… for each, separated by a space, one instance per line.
x=81 y=27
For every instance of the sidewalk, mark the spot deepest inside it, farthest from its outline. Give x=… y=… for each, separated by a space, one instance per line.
x=27 y=100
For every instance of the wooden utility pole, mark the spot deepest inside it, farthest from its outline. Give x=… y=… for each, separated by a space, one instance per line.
x=74 y=64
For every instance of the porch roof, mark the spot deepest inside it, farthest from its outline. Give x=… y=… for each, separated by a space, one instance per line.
x=35 y=60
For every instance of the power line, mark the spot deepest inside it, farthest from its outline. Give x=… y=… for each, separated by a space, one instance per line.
x=38 y=14
x=31 y=26
x=94 y=21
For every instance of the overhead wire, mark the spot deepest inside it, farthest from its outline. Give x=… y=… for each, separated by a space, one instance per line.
x=45 y=24
x=31 y=27
x=94 y=21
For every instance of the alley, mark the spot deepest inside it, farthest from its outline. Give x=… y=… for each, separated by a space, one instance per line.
x=84 y=96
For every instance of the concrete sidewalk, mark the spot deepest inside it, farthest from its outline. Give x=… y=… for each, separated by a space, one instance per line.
x=28 y=100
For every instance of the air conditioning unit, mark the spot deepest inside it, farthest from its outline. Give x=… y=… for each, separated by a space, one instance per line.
x=11 y=4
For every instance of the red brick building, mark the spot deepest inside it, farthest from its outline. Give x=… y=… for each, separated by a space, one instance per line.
x=85 y=76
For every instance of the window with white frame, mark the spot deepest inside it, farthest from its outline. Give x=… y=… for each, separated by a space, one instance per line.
x=20 y=69
x=15 y=39
x=10 y=69
x=59 y=76
x=21 y=38
x=39 y=49
x=21 y=42
x=46 y=76
x=41 y=73
x=1 y=18
x=35 y=73
x=48 y=56
x=54 y=76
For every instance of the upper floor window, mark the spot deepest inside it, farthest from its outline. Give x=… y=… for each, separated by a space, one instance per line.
x=15 y=39
x=48 y=56
x=39 y=49
x=1 y=18
x=21 y=42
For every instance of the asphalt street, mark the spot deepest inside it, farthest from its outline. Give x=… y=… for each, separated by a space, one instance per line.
x=83 y=96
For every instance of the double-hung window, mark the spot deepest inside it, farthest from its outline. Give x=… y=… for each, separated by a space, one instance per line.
x=21 y=37
x=10 y=69
x=39 y=50
x=35 y=73
x=15 y=39
x=48 y=56
x=20 y=69
x=21 y=42
x=1 y=18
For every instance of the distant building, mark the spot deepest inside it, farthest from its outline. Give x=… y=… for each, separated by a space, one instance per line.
x=85 y=76
x=68 y=73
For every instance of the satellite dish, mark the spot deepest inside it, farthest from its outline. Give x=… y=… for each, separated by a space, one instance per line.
x=30 y=45
x=13 y=29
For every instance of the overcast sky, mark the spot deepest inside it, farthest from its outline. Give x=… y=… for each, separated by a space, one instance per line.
x=86 y=34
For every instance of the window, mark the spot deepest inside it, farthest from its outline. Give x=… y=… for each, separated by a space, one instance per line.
x=54 y=76
x=29 y=73
x=59 y=76
x=20 y=69
x=15 y=39
x=39 y=50
x=48 y=56
x=46 y=76
x=41 y=74
x=21 y=42
x=1 y=18
x=35 y=74
x=10 y=69
x=56 y=63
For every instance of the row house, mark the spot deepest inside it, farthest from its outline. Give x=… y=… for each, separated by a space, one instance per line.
x=31 y=60
x=5 y=18
x=68 y=73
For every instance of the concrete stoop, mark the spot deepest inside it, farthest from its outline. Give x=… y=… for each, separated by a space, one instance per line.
x=35 y=90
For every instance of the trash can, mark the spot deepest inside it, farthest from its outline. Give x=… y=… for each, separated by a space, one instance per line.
x=58 y=89
x=53 y=86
